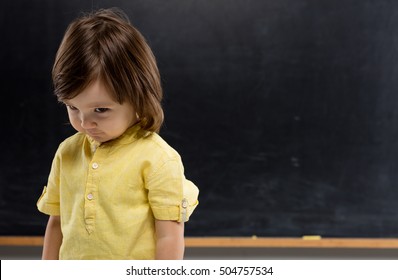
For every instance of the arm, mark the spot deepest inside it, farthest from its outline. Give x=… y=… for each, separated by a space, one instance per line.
x=169 y=240
x=52 y=239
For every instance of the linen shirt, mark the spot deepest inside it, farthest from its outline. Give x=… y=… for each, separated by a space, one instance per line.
x=108 y=195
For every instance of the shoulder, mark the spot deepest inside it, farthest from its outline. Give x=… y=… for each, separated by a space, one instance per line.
x=71 y=143
x=157 y=146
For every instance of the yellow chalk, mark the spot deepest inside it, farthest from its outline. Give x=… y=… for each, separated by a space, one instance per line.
x=312 y=237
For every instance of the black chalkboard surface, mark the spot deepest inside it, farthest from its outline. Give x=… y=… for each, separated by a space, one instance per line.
x=284 y=111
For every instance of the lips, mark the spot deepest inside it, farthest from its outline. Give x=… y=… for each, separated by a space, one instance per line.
x=94 y=133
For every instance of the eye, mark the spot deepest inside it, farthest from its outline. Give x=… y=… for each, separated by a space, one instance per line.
x=71 y=107
x=101 y=110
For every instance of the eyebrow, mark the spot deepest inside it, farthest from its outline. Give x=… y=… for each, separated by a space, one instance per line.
x=99 y=105
x=92 y=105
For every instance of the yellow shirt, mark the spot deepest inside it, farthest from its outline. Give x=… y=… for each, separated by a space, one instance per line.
x=108 y=195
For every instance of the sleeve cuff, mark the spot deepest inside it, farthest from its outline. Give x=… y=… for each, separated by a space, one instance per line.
x=180 y=213
x=45 y=207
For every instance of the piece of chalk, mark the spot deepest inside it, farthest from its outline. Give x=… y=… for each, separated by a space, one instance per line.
x=312 y=237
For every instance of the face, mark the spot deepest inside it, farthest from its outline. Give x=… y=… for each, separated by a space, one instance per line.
x=96 y=114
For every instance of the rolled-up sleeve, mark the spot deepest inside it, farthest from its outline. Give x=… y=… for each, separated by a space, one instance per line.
x=171 y=196
x=49 y=201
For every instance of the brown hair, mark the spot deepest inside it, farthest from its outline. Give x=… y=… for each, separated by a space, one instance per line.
x=104 y=45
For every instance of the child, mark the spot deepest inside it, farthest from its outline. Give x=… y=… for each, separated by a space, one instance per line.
x=116 y=190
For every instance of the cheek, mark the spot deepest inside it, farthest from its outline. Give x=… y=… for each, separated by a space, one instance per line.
x=74 y=121
x=130 y=117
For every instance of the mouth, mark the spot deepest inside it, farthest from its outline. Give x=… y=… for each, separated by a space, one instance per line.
x=93 y=133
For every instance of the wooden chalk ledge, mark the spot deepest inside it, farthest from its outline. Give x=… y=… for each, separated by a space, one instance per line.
x=248 y=242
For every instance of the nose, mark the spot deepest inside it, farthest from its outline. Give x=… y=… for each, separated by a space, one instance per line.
x=87 y=123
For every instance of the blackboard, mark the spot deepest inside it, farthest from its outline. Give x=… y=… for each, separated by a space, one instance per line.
x=284 y=111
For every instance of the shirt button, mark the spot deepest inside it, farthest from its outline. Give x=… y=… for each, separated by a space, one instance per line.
x=94 y=165
x=90 y=196
x=184 y=203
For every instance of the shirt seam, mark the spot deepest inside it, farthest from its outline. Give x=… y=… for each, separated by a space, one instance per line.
x=153 y=173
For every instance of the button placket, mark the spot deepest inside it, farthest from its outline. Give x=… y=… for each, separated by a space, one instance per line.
x=90 y=192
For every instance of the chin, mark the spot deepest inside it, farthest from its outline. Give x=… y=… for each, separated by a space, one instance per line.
x=100 y=138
